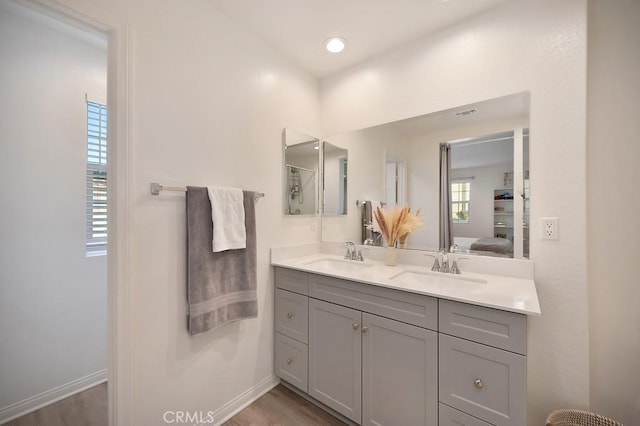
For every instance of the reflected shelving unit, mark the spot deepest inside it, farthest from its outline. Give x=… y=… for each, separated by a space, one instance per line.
x=503 y=213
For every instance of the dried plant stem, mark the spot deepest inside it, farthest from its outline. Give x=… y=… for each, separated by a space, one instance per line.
x=396 y=224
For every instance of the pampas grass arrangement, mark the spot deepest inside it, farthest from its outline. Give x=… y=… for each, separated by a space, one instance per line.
x=397 y=223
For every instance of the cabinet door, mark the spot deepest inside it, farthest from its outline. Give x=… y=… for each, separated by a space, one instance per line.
x=485 y=382
x=335 y=364
x=400 y=373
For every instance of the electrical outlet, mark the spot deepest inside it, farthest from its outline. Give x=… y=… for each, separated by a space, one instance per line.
x=549 y=226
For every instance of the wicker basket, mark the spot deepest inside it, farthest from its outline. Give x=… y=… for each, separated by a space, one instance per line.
x=578 y=418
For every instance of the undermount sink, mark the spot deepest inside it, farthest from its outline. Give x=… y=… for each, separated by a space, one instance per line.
x=439 y=278
x=341 y=265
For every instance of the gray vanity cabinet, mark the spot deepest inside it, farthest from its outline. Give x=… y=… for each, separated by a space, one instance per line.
x=381 y=356
x=335 y=357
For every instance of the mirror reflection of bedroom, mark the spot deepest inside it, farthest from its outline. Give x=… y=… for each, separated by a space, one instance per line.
x=489 y=184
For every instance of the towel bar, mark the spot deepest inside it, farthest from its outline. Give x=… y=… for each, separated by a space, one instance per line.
x=156 y=188
x=363 y=202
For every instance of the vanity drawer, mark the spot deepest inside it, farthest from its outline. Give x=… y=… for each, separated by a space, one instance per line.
x=292 y=361
x=402 y=306
x=292 y=280
x=485 y=382
x=448 y=416
x=292 y=315
x=501 y=329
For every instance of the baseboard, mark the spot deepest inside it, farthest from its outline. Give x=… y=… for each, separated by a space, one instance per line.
x=43 y=399
x=243 y=400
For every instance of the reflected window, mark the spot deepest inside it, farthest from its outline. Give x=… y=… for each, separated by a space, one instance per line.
x=460 y=196
x=96 y=207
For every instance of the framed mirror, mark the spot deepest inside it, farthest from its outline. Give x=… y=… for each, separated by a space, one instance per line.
x=398 y=163
x=334 y=179
x=301 y=165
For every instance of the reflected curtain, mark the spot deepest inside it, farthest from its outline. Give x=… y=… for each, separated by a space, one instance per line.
x=446 y=223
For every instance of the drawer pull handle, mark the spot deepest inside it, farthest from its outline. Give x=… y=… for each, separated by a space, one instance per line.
x=355 y=325
x=364 y=329
x=289 y=315
x=478 y=383
x=289 y=361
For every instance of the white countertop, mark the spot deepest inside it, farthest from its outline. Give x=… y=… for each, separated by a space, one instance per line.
x=514 y=294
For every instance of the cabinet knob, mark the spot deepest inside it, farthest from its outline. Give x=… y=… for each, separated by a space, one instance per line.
x=289 y=315
x=355 y=325
x=289 y=361
x=478 y=383
x=364 y=329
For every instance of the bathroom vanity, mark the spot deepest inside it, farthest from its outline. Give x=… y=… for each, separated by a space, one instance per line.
x=403 y=345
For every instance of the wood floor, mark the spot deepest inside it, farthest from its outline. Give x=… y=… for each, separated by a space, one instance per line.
x=282 y=407
x=278 y=407
x=87 y=408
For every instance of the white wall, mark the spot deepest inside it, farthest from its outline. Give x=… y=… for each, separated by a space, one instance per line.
x=614 y=229
x=535 y=46
x=208 y=105
x=53 y=300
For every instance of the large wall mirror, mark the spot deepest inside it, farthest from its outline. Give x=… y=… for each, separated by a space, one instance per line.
x=301 y=158
x=398 y=163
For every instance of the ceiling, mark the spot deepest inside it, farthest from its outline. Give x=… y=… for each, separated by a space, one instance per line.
x=58 y=22
x=298 y=28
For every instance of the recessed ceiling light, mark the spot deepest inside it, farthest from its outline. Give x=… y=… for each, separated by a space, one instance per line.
x=335 y=44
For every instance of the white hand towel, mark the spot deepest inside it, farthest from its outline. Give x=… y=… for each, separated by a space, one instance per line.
x=227 y=215
x=374 y=222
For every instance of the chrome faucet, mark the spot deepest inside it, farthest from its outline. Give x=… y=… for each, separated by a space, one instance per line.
x=349 y=246
x=436 y=263
x=444 y=264
x=454 y=266
x=441 y=263
x=352 y=252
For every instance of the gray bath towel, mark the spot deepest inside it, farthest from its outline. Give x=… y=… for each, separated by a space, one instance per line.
x=221 y=286
x=369 y=236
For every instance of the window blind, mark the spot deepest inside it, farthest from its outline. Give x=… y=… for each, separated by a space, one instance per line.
x=96 y=215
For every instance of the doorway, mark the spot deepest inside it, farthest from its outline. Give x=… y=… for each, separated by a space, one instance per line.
x=54 y=309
